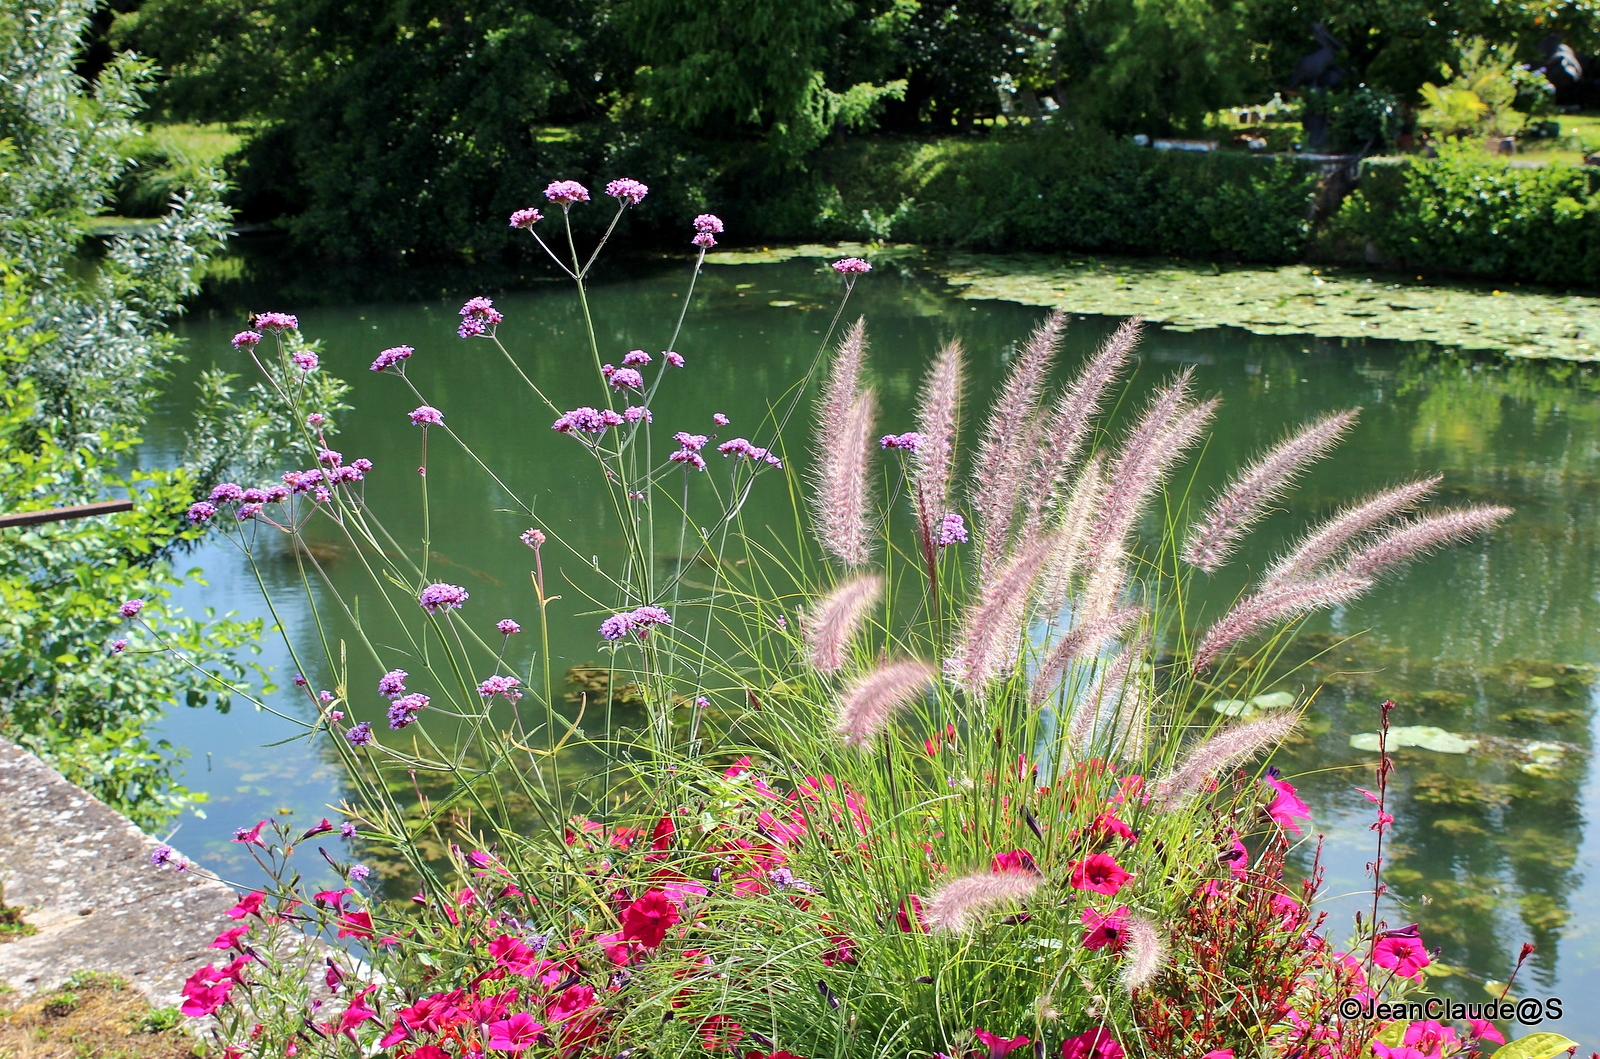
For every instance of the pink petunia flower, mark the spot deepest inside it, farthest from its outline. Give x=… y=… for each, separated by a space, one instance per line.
x=1000 y=1047
x=1098 y=873
x=515 y=1034
x=1404 y=955
x=1286 y=807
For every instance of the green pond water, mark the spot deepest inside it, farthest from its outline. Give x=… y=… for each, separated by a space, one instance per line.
x=1496 y=640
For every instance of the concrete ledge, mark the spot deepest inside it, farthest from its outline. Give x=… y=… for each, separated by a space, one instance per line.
x=82 y=872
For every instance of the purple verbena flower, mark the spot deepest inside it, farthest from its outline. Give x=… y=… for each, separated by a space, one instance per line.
x=702 y=702
x=907 y=441
x=719 y=419
x=507 y=627
x=131 y=607
x=360 y=735
x=118 y=646
x=692 y=442
x=201 y=512
x=277 y=494
x=325 y=696
x=644 y=617
x=505 y=687
x=704 y=240
x=363 y=464
x=440 y=596
x=850 y=266
x=347 y=830
x=162 y=855
x=248 y=511
x=226 y=493
x=690 y=457
x=427 y=415
x=392 y=684
x=635 y=357
x=707 y=222
x=631 y=190
x=306 y=362
x=329 y=458
x=616 y=627
x=392 y=356
x=477 y=316
x=565 y=192
x=586 y=420
x=952 y=530
x=532 y=538
x=276 y=322
x=634 y=413
x=360 y=872
x=404 y=710
x=300 y=681
x=673 y=358
x=246 y=339
x=626 y=379
x=316 y=419
x=320 y=494
x=526 y=218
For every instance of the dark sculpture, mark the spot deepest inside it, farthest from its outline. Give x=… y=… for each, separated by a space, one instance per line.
x=1562 y=68
x=1321 y=68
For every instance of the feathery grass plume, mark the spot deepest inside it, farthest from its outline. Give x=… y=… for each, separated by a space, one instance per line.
x=1350 y=522
x=1131 y=728
x=1420 y=536
x=956 y=906
x=1226 y=749
x=837 y=619
x=843 y=385
x=871 y=700
x=992 y=627
x=1273 y=605
x=1055 y=582
x=938 y=419
x=1100 y=704
x=1008 y=442
x=1073 y=417
x=843 y=520
x=1242 y=504
x=1083 y=639
x=1146 y=953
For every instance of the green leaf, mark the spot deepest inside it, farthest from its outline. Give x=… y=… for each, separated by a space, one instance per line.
x=1535 y=1046
x=1273 y=700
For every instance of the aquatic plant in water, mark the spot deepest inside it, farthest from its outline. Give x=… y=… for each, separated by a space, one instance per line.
x=967 y=802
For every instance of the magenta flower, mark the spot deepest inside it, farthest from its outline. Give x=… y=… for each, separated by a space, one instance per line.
x=1286 y=807
x=616 y=626
x=276 y=322
x=707 y=222
x=250 y=835
x=392 y=684
x=634 y=413
x=952 y=530
x=131 y=607
x=742 y=447
x=851 y=266
x=505 y=687
x=246 y=339
x=118 y=646
x=1107 y=930
x=1401 y=952
x=427 y=415
x=907 y=441
x=644 y=617
x=692 y=442
x=999 y=1047
x=507 y=627
x=404 y=710
x=526 y=218
x=315 y=420
x=226 y=493
x=631 y=190
x=1096 y=1043
x=532 y=538
x=626 y=379
x=675 y=359
x=704 y=240
x=689 y=457
x=440 y=596
x=201 y=512
x=515 y=1034
x=477 y=316
x=1098 y=873
x=635 y=357
x=586 y=420
x=392 y=356
x=360 y=735
x=329 y=457
x=306 y=362
x=719 y=419
x=565 y=192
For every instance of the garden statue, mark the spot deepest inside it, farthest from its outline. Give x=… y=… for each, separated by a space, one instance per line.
x=1320 y=69
x=1562 y=68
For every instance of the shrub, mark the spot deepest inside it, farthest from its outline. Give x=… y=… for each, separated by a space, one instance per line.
x=1467 y=213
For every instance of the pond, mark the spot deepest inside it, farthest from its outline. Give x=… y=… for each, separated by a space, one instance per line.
x=1496 y=640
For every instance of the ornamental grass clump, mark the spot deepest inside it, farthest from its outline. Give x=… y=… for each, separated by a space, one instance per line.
x=892 y=794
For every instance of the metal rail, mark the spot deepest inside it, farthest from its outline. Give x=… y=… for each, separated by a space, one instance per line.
x=62 y=514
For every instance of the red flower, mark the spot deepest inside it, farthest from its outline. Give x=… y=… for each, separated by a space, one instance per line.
x=649 y=918
x=249 y=905
x=512 y=954
x=1099 y=873
x=205 y=991
x=573 y=1001
x=1405 y=955
x=1105 y=928
x=840 y=950
x=230 y=938
x=357 y=1013
x=661 y=837
x=1286 y=807
x=514 y=1034
x=355 y=925
x=910 y=915
x=1095 y=1044
x=1000 y=1047
x=1112 y=824
x=719 y=1031
x=1014 y=860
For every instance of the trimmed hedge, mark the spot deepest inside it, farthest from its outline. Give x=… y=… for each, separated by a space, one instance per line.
x=1467 y=212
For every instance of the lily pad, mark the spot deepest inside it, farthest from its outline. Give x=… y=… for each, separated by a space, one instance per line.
x=1541 y=682
x=1273 y=700
x=781 y=304
x=1232 y=707
x=1422 y=736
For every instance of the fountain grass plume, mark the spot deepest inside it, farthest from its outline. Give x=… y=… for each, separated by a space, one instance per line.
x=1072 y=533
x=991 y=629
x=1416 y=538
x=1272 y=605
x=1073 y=417
x=843 y=525
x=1131 y=732
x=938 y=419
x=1146 y=953
x=837 y=619
x=872 y=699
x=1213 y=539
x=1329 y=539
x=1226 y=749
x=1083 y=639
x=1108 y=690
x=956 y=906
x=1008 y=442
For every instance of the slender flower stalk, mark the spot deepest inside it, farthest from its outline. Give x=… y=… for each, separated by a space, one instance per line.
x=1145 y=953
x=838 y=618
x=1008 y=442
x=1273 y=605
x=991 y=629
x=956 y=906
x=1083 y=639
x=870 y=703
x=1070 y=421
x=1228 y=748
x=933 y=462
x=1329 y=539
x=1214 y=539
x=1417 y=538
